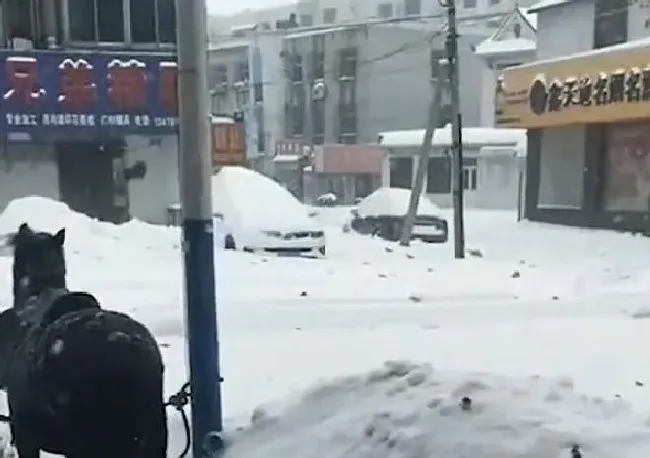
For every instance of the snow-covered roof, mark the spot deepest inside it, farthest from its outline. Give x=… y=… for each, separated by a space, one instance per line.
x=221 y=120
x=543 y=4
x=313 y=32
x=491 y=47
x=233 y=43
x=641 y=43
x=531 y=18
x=479 y=136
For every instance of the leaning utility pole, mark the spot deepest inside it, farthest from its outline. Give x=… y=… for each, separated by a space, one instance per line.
x=456 y=132
x=432 y=121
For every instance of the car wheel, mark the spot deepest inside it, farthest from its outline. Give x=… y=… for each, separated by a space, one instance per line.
x=321 y=250
x=229 y=242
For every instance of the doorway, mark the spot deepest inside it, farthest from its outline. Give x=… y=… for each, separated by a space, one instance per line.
x=91 y=179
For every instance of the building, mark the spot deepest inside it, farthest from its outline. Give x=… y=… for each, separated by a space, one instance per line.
x=246 y=76
x=347 y=84
x=320 y=12
x=493 y=165
x=512 y=44
x=89 y=112
x=585 y=103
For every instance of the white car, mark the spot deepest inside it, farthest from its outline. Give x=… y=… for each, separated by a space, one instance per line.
x=254 y=213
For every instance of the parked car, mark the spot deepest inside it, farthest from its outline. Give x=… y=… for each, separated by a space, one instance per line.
x=254 y=213
x=382 y=214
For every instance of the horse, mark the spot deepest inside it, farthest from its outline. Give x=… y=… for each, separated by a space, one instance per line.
x=81 y=381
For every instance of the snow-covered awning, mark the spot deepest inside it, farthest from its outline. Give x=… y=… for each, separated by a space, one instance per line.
x=478 y=136
x=491 y=48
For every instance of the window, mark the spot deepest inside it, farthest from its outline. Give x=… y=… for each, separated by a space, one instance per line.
x=296 y=95
x=306 y=20
x=319 y=43
x=318 y=117
x=470 y=175
x=151 y=21
x=438 y=175
x=18 y=19
x=143 y=21
x=295 y=67
x=296 y=117
x=348 y=63
x=627 y=166
x=258 y=92
x=469 y=3
x=220 y=103
x=218 y=75
x=610 y=23
x=318 y=68
x=401 y=172
x=348 y=139
x=242 y=98
x=412 y=7
x=347 y=93
x=110 y=21
x=241 y=72
x=329 y=15
x=347 y=121
x=385 y=10
x=166 y=21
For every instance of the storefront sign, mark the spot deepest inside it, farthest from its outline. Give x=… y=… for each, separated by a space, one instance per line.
x=228 y=144
x=603 y=87
x=49 y=95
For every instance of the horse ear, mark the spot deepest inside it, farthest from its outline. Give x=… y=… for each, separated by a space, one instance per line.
x=59 y=237
x=24 y=229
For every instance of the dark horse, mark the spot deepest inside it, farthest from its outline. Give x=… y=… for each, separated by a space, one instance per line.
x=81 y=381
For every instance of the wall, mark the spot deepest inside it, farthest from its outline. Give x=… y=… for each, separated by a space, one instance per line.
x=565 y=29
x=27 y=170
x=562 y=161
x=150 y=197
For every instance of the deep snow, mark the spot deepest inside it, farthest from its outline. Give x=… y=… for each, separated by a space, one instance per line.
x=541 y=331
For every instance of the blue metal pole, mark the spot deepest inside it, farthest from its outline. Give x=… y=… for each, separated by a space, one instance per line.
x=197 y=228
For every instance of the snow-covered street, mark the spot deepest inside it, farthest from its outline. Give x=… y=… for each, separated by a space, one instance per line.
x=543 y=327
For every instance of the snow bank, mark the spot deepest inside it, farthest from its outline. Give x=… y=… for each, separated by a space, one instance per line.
x=410 y=411
x=82 y=232
x=249 y=199
x=394 y=201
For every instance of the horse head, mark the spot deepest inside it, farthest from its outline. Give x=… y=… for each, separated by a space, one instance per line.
x=39 y=262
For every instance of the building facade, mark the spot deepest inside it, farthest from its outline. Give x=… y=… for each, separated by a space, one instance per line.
x=347 y=84
x=320 y=12
x=585 y=105
x=89 y=114
x=246 y=77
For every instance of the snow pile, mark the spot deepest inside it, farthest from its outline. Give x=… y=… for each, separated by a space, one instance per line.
x=82 y=232
x=250 y=200
x=394 y=202
x=410 y=411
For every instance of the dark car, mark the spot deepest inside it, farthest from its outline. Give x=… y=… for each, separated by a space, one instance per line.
x=428 y=228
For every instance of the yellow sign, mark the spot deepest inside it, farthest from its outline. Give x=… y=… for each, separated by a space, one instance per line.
x=602 y=87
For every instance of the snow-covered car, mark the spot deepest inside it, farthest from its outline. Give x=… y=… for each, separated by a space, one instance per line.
x=382 y=214
x=254 y=213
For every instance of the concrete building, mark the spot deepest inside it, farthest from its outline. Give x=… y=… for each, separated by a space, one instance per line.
x=585 y=104
x=246 y=75
x=512 y=44
x=89 y=112
x=319 y=12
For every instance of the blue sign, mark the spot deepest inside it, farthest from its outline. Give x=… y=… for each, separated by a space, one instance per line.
x=64 y=95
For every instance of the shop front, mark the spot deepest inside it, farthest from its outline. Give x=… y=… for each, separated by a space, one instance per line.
x=105 y=123
x=588 y=122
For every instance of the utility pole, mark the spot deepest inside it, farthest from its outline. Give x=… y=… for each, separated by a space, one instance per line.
x=456 y=132
x=307 y=147
x=432 y=121
x=198 y=229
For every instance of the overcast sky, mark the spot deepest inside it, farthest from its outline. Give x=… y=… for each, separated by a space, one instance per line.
x=227 y=7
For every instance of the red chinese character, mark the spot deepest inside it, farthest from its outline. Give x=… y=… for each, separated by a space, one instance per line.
x=22 y=76
x=169 y=86
x=127 y=84
x=79 y=89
